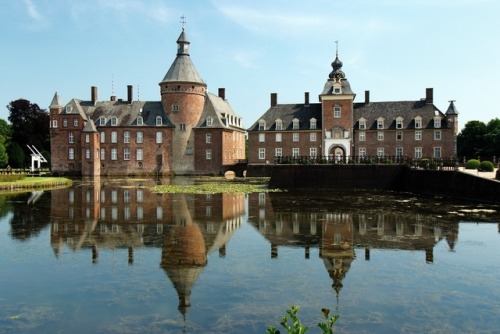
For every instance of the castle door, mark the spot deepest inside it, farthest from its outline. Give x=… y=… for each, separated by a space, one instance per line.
x=337 y=153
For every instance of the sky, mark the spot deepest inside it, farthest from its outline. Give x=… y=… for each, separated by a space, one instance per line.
x=395 y=49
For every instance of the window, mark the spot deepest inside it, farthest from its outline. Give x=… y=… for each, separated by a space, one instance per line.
x=437 y=122
x=138 y=154
x=418 y=122
x=278 y=152
x=102 y=121
x=210 y=121
x=159 y=121
x=75 y=122
x=114 y=121
x=126 y=137
x=399 y=135
x=182 y=127
x=87 y=138
x=295 y=152
x=140 y=120
x=139 y=137
x=437 y=134
x=262 y=125
x=126 y=153
x=262 y=137
x=208 y=154
x=54 y=123
x=159 y=137
x=362 y=124
x=87 y=153
x=418 y=152
x=362 y=136
x=65 y=123
x=399 y=151
x=380 y=123
x=71 y=153
x=295 y=137
x=175 y=108
x=278 y=137
x=313 y=152
x=71 y=137
x=279 y=124
x=336 y=112
x=69 y=109
x=312 y=136
x=380 y=151
x=418 y=135
x=208 y=138
x=102 y=137
x=114 y=136
x=399 y=123
x=103 y=154
x=295 y=124
x=380 y=136
x=362 y=152
x=437 y=152
x=312 y=123
x=114 y=154
x=262 y=153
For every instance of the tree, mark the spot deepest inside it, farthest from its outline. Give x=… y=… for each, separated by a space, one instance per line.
x=30 y=125
x=17 y=158
x=492 y=138
x=4 y=158
x=470 y=141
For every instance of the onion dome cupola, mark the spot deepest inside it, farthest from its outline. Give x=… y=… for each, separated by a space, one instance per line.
x=182 y=69
x=337 y=83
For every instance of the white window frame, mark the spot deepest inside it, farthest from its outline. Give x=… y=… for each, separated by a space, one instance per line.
x=54 y=123
x=312 y=136
x=362 y=124
x=399 y=135
x=262 y=153
x=126 y=153
x=114 y=154
x=278 y=137
x=140 y=120
x=114 y=137
x=437 y=122
x=182 y=126
x=159 y=137
x=139 y=137
x=126 y=137
x=362 y=152
x=114 y=121
x=159 y=121
x=262 y=137
x=399 y=151
x=295 y=136
x=102 y=121
x=71 y=153
x=262 y=125
x=208 y=154
x=362 y=136
x=75 y=122
x=278 y=152
x=87 y=138
x=139 y=154
x=418 y=122
x=380 y=123
x=87 y=153
x=103 y=154
x=279 y=124
x=208 y=138
x=437 y=152
x=210 y=121
x=437 y=135
x=380 y=135
x=296 y=152
x=313 y=124
x=399 y=122
x=313 y=152
x=380 y=152
x=418 y=134
x=71 y=138
x=295 y=124
x=337 y=111
x=418 y=152
x=102 y=137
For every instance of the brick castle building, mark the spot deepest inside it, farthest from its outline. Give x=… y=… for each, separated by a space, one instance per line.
x=339 y=128
x=190 y=131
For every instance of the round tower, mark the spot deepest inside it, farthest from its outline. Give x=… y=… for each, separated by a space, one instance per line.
x=183 y=97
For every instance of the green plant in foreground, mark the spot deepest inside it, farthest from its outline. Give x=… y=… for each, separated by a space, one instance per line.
x=296 y=326
x=486 y=166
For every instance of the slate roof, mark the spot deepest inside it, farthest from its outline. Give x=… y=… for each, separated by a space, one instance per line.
x=287 y=112
x=346 y=88
x=125 y=113
x=408 y=110
x=220 y=111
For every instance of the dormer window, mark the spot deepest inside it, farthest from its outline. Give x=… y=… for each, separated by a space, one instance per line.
x=295 y=124
x=418 y=122
x=114 y=121
x=337 y=88
x=262 y=125
x=437 y=122
x=69 y=109
x=380 y=123
x=312 y=123
x=140 y=120
x=279 y=124
x=210 y=121
x=158 y=121
x=102 y=121
x=399 y=122
x=362 y=124
x=337 y=111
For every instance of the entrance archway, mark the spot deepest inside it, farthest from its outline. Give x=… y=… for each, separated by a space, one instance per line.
x=337 y=154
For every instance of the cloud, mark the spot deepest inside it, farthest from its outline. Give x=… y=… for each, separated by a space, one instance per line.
x=247 y=59
x=32 y=10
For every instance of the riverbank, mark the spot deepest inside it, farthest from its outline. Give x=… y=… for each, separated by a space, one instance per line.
x=34 y=182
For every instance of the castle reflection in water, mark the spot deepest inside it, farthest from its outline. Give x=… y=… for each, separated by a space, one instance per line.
x=106 y=215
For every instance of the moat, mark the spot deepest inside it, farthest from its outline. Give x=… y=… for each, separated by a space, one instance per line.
x=110 y=256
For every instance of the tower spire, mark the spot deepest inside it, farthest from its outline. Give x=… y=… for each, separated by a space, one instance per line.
x=183 y=21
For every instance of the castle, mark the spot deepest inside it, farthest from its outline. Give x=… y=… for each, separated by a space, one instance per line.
x=338 y=129
x=190 y=131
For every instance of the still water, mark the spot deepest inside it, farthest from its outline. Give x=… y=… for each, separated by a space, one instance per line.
x=109 y=256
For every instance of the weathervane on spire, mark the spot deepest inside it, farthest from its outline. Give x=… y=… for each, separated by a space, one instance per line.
x=337 y=48
x=183 y=21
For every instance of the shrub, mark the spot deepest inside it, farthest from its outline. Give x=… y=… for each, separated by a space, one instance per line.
x=295 y=325
x=423 y=163
x=472 y=164
x=486 y=166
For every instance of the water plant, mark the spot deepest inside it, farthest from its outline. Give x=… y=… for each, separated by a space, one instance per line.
x=293 y=325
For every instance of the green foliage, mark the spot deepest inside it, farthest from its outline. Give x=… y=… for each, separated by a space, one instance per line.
x=293 y=325
x=4 y=157
x=486 y=166
x=11 y=177
x=479 y=139
x=472 y=164
x=16 y=155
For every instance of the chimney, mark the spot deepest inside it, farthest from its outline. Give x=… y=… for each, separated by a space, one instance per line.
x=129 y=94
x=367 y=97
x=274 y=99
x=93 y=94
x=429 y=95
x=112 y=98
x=222 y=93
x=306 y=98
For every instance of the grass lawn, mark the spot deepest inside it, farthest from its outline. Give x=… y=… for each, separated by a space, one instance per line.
x=34 y=182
